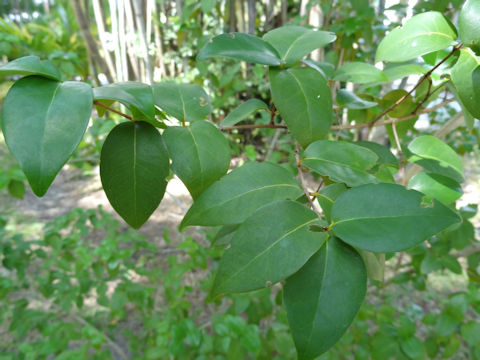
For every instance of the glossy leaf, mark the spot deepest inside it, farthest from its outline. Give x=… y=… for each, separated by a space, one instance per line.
x=269 y=246
x=225 y=234
x=436 y=186
x=134 y=95
x=185 y=102
x=443 y=159
x=323 y=297
x=243 y=111
x=374 y=263
x=362 y=73
x=304 y=101
x=294 y=42
x=43 y=122
x=388 y=217
x=463 y=77
x=327 y=196
x=422 y=34
x=238 y=194
x=399 y=71
x=351 y=100
x=133 y=168
x=240 y=46
x=200 y=154
x=31 y=65
x=384 y=154
x=469 y=24
x=341 y=161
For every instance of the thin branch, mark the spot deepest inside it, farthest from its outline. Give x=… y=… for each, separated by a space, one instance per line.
x=98 y=103
x=422 y=79
x=396 y=120
x=302 y=180
x=400 y=152
x=241 y=127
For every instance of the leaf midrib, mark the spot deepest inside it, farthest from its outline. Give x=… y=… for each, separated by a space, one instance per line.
x=288 y=233
x=42 y=140
x=390 y=216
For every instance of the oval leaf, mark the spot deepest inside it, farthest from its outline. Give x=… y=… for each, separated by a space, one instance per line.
x=31 y=65
x=133 y=168
x=261 y=250
x=304 y=101
x=463 y=79
x=469 y=24
x=238 y=194
x=134 y=95
x=384 y=154
x=294 y=42
x=327 y=196
x=324 y=296
x=239 y=46
x=362 y=73
x=243 y=111
x=350 y=100
x=185 y=102
x=43 y=122
x=399 y=71
x=440 y=157
x=436 y=186
x=341 y=161
x=200 y=154
x=422 y=34
x=388 y=217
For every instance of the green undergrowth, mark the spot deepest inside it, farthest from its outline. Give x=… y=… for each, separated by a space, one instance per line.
x=84 y=288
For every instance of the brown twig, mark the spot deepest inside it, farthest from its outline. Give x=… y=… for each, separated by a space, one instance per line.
x=241 y=127
x=422 y=79
x=302 y=180
x=98 y=103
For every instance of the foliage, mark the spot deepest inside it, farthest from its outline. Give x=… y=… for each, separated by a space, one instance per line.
x=371 y=203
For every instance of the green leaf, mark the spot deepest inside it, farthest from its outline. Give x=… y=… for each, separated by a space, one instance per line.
x=375 y=264
x=387 y=217
x=437 y=157
x=133 y=168
x=185 y=102
x=384 y=154
x=351 y=100
x=469 y=24
x=225 y=234
x=358 y=72
x=327 y=196
x=43 y=122
x=239 y=46
x=134 y=95
x=422 y=34
x=243 y=111
x=304 y=101
x=31 y=65
x=294 y=42
x=269 y=246
x=463 y=79
x=200 y=154
x=406 y=107
x=238 y=194
x=341 y=161
x=413 y=348
x=469 y=118
x=436 y=186
x=471 y=333
x=16 y=189
x=399 y=71
x=323 y=297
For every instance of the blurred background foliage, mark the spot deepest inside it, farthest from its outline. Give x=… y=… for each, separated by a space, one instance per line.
x=81 y=286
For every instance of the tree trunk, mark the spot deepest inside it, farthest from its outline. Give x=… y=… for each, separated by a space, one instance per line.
x=284 y=12
x=137 y=7
x=89 y=41
x=98 y=12
x=252 y=14
x=232 y=17
x=134 y=60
